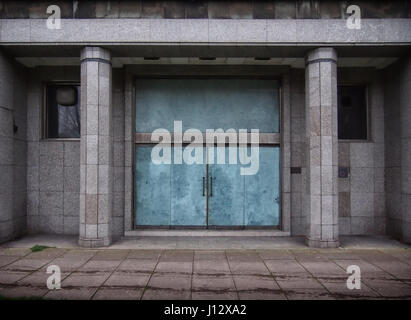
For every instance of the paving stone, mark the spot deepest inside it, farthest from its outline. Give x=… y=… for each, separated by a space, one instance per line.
x=108 y=255
x=261 y=295
x=174 y=267
x=5 y=260
x=135 y=265
x=243 y=256
x=18 y=252
x=144 y=254
x=78 y=279
x=27 y=264
x=79 y=253
x=398 y=269
x=170 y=281
x=309 y=257
x=276 y=255
x=100 y=266
x=50 y=253
x=340 y=255
x=22 y=292
x=312 y=294
x=67 y=264
x=324 y=268
x=10 y=277
x=242 y=267
x=285 y=267
x=211 y=267
x=287 y=282
x=375 y=256
x=338 y=288
x=210 y=295
x=118 y=294
x=212 y=283
x=166 y=294
x=127 y=279
x=403 y=255
x=71 y=294
x=177 y=256
x=364 y=265
x=38 y=279
x=210 y=256
x=367 y=269
x=212 y=279
x=390 y=288
x=255 y=282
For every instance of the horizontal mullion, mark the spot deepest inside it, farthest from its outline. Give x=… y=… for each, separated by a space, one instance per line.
x=264 y=138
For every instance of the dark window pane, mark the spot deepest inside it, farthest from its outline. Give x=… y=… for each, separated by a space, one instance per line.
x=63 y=121
x=352 y=112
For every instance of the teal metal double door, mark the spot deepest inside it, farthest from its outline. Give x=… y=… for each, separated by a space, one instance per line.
x=209 y=194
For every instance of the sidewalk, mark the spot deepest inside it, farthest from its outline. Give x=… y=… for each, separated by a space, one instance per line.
x=294 y=273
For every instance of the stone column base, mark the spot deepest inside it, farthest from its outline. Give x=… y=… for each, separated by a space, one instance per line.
x=314 y=243
x=94 y=243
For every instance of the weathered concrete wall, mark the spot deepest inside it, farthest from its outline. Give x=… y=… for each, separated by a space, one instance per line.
x=20 y=151
x=243 y=9
x=53 y=166
x=13 y=149
x=362 y=194
x=117 y=228
x=398 y=149
x=405 y=112
x=298 y=210
x=393 y=150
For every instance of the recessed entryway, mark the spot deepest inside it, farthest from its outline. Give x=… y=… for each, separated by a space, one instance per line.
x=209 y=194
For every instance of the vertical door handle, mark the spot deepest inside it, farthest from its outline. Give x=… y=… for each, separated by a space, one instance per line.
x=203 y=186
x=211 y=186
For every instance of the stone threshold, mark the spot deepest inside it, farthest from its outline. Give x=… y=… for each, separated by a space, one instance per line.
x=205 y=233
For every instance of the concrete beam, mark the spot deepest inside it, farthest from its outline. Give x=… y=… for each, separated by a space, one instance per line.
x=210 y=31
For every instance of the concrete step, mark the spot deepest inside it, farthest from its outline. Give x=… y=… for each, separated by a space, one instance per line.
x=205 y=233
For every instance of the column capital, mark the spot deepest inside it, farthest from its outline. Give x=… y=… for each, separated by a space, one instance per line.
x=322 y=54
x=95 y=53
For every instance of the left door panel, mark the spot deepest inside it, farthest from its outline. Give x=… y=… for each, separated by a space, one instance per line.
x=152 y=190
x=169 y=194
x=189 y=194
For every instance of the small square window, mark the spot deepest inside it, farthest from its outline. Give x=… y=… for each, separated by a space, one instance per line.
x=62 y=111
x=352 y=113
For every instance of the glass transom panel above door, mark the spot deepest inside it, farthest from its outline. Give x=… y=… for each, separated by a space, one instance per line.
x=207 y=104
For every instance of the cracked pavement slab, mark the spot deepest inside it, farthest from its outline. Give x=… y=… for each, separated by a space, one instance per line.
x=138 y=274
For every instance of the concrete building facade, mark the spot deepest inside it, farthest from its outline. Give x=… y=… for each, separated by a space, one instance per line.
x=126 y=58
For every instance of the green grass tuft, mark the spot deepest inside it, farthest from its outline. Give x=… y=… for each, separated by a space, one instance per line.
x=38 y=248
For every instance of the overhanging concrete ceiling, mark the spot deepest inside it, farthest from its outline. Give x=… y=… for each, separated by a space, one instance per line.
x=201 y=50
x=118 y=62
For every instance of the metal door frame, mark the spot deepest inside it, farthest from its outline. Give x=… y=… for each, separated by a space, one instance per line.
x=276 y=139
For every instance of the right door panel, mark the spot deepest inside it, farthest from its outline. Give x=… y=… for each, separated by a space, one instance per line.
x=226 y=193
x=262 y=190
